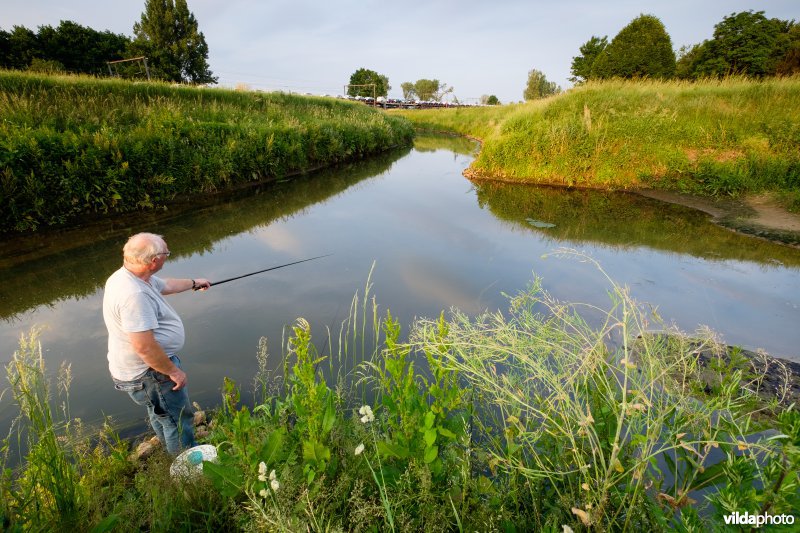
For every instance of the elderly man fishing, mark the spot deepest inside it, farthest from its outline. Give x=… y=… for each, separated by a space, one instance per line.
x=145 y=335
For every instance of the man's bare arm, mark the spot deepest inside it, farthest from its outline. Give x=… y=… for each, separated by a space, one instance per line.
x=176 y=285
x=146 y=347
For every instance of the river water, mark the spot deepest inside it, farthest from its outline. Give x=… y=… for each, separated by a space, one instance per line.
x=432 y=240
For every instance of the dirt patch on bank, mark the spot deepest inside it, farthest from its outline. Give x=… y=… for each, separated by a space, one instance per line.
x=772 y=215
x=757 y=215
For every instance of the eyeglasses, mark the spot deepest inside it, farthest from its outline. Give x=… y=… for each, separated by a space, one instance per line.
x=163 y=253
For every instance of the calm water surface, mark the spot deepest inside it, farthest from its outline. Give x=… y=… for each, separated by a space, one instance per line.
x=436 y=241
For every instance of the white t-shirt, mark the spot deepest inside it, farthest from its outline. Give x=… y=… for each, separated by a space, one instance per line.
x=131 y=305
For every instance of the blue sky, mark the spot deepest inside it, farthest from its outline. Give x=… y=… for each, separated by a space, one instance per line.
x=477 y=47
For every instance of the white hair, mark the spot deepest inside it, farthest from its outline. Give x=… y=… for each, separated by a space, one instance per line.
x=142 y=247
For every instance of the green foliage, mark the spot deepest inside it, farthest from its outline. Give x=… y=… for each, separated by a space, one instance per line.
x=746 y=43
x=492 y=100
x=72 y=47
x=790 y=63
x=169 y=36
x=368 y=83
x=418 y=409
x=19 y=47
x=313 y=402
x=50 y=483
x=539 y=87
x=642 y=49
x=72 y=146
x=581 y=67
x=713 y=137
x=425 y=90
x=408 y=90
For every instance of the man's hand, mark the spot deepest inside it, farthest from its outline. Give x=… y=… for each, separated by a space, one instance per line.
x=201 y=284
x=179 y=377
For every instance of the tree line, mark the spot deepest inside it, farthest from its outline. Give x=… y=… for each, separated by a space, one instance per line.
x=167 y=34
x=746 y=44
x=368 y=83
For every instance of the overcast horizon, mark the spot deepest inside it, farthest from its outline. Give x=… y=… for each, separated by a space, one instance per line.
x=477 y=48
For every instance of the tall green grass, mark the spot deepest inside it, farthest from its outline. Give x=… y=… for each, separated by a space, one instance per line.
x=719 y=137
x=76 y=145
x=48 y=491
x=549 y=415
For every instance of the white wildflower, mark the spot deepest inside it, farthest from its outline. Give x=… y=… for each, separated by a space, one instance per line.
x=275 y=485
x=272 y=476
x=262 y=471
x=366 y=412
x=263 y=493
x=567 y=529
x=359 y=449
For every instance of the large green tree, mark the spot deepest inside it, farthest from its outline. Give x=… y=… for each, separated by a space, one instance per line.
x=176 y=49
x=362 y=80
x=538 y=86
x=745 y=43
x=581 y=68
x=641 y=49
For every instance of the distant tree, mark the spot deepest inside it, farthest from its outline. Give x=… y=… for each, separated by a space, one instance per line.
x=687 y=59
x=492 y=100
x=5 y=47
x=18 y=48
x=641 y=49
x=538 y=86
x=408 y=90
x=790 y=62
x=581 y=68
x=168 y=35
x=744 y=43
x=365 y=76
x=427 y=90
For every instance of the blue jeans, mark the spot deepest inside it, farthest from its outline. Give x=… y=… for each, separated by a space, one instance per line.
x=171 y=415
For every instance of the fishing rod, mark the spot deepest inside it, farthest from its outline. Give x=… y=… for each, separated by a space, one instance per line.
x=215 y=283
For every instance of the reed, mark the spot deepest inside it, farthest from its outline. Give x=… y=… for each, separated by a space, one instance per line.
x=713 y=137
x=48 y=492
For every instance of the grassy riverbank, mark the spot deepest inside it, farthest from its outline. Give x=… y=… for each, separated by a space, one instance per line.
x=523 y=422
x=71 y=146
x=713 y=137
